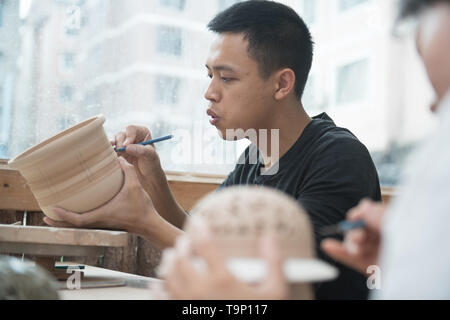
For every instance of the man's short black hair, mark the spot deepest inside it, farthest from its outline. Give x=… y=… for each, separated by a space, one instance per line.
x=277 y=36
x=410 y=8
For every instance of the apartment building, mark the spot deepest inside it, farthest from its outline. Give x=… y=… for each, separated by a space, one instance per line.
x=141 y=62
x=9 y=49
x=366 y=78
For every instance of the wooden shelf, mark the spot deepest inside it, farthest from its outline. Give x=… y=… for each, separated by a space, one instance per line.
x=62 y=236
x=47 y=241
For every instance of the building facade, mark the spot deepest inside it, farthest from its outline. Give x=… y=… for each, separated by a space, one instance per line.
x=142 y=62
x=9 y=51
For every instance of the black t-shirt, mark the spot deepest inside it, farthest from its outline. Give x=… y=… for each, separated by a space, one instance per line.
x=328 y=171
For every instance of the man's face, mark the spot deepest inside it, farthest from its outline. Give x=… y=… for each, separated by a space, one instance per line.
x=239 y=97
x=433 y=42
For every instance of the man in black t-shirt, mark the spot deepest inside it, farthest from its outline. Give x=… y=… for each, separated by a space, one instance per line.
x=328 y=171
x=259 y=63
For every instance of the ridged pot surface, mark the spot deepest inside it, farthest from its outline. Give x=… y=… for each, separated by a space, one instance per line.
x=77 y=170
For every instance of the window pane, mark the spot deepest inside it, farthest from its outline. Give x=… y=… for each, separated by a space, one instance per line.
x=68 y=61
x=225 y=4
x=1 y=12
x=143 y=62
x=169 y=41
x=9 y=51
x=177 y=4
x=167 y=90
x=309 y=94
x=352 y=82
x=347 y=4
x=66 y=93
x=73 y=19
x=3 y=136
x=309 y=11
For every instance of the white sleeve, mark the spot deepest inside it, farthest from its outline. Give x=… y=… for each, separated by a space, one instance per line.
x=415 y=254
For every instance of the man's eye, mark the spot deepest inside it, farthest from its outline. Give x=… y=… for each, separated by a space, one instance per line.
x=209 y=76
x=226 y=80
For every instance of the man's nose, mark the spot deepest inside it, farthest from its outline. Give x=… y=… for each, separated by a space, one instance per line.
x=212 y=94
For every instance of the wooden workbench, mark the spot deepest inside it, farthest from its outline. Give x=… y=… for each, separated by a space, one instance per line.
x=138 y=256
x=47 y=241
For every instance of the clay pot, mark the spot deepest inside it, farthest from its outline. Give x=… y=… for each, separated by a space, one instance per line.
x=77 y=170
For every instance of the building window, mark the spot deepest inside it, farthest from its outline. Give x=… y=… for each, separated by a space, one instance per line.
x=225 y=4
x=167 y=90
x=65 y=122
x=71 y=31
x=1 y=104
x=352 y=82
x=2 y=72
x=308 y=99
x=73 y=21
x=309 y=11
x=5 y=120
x=1 y=13
x=92 y=103
x=160 y=79
x=348 y=4
x=68 y=61
x=177 y=4
x=66 y=93
x=169 y=41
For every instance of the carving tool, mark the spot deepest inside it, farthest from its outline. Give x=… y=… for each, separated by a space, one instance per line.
x=342 y=228
x=146 y=143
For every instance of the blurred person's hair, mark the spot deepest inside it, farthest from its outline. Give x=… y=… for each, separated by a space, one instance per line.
x=413 y=8
x=22 y=280
x=277 y=36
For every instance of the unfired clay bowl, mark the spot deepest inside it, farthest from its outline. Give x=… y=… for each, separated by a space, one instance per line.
x=77 y=170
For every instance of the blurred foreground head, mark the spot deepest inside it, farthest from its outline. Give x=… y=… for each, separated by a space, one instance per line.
x=239 y=217
x=24 y=281
x=433 y=40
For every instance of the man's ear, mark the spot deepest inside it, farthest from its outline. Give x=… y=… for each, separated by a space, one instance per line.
x=285 y=83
